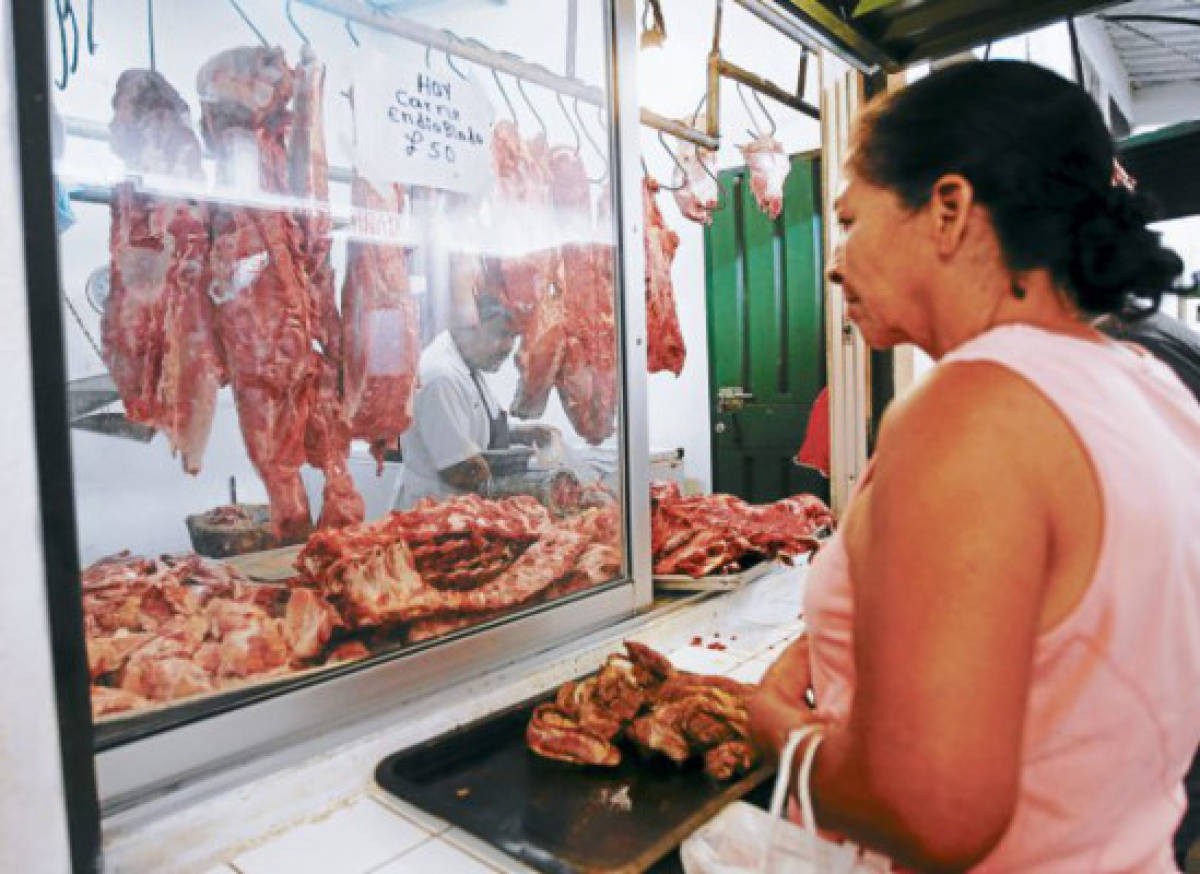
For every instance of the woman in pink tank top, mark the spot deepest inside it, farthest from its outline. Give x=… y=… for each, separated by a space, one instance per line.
x=1004 y=636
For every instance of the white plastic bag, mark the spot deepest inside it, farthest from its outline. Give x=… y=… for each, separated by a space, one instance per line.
x=744 y=839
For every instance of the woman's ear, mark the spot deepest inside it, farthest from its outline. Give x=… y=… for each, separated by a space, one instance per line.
x=950 y=206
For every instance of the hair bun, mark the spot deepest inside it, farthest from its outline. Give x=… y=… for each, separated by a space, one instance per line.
x=1115 y=255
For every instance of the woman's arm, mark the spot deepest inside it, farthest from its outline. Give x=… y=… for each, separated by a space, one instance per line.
x=950 y=560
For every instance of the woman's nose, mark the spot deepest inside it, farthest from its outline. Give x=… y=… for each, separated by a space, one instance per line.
x=834 y=272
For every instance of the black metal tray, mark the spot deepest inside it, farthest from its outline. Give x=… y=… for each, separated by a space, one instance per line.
x=552 y=816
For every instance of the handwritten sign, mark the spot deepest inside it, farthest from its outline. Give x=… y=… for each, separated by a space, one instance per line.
x=421 y=124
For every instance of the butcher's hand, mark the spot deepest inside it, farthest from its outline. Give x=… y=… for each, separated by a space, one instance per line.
x=535 y=435
x=779 y=705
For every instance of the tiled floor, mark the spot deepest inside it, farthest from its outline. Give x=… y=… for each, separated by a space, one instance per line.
x=382 y=835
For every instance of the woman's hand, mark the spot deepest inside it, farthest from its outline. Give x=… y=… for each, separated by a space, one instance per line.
x=779 y=706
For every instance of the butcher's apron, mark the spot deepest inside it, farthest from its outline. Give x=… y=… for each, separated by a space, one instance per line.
x=498 y=433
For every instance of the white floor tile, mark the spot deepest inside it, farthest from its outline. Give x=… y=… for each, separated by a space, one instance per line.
x=435 y=857
x=350 y=841
x=485 y=852
x=432 y=824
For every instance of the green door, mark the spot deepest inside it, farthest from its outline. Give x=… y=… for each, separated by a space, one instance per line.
x=766 y=335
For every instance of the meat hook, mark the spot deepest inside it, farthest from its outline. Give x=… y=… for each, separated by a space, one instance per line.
x=599 y=151
x=574 y=130
x=757 y=132
x=350 y=32
x=678 y=166
x=450 y=58
x=511 y=111
x=250 y=24
x=532 y=108
x=287 y=10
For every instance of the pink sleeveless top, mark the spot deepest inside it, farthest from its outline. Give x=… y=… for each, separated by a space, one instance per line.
x=1114 y=711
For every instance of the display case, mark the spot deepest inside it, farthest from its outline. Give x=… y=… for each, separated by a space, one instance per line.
x=348 y=354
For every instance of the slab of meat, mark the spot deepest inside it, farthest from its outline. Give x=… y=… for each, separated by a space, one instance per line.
x=157 y=327
x=697 y=193
x=702 y=534
x=554 y=735
x=107 y=700
x=640 y=697
x=378 y=584
x=167 y=628
x=769 y=167
x=665 y=347
x=540 y=355
x=521 y=202
x=587 y=374
x=265 y=315
x=327 y=438
x=308 y=623
x=380 y=324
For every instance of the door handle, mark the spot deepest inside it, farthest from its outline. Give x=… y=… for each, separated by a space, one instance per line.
x=719 y=427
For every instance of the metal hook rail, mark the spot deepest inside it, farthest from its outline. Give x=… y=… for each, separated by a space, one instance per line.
x=477 y=52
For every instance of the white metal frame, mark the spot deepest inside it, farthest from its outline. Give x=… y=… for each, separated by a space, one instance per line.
x=848 y=357
x=169 y=760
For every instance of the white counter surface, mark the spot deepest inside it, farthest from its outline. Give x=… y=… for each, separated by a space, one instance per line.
x=325 y=815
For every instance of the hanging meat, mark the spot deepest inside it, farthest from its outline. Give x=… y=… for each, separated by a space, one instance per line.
x=157 y=327
x=327 y=436
x=265 y=314
x=696 y=191
x=587 y=373
x=521 y=208
x=665 y=347
x=769 y=167
x=380 y=323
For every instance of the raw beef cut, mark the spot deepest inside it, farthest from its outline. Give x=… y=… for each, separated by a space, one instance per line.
x=665 y=347
x=265 y=316
x=696 y=191
x=521 y=209
x=540 y=355
x=168 y=628
x=769 y=167
x=639 y=697
x=157 y=327
x=704 y=534
x=587 y=374
x=381 y=343
x=327 y=438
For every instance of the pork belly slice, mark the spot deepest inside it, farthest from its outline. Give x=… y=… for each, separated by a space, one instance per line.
x=554 y=735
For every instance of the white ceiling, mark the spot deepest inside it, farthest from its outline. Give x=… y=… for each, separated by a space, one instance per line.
x=1157 y=53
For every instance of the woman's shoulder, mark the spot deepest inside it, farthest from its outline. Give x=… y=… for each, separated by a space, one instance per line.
x=977 y=411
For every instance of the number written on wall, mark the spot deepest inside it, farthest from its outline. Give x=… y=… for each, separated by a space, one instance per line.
x=419 y=124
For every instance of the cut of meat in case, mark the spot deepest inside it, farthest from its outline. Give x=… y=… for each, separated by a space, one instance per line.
x=380 y=323
x=265 y=316
x=666 y=349
x=106 y=700
x=701 y=534
x=769 y=167
x=157 y=327
x=327 y=438
x=308 y=623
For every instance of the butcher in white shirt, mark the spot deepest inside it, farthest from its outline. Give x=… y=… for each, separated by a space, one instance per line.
x=455 y=416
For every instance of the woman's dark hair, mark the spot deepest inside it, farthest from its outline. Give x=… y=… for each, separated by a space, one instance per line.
x=1036 y=151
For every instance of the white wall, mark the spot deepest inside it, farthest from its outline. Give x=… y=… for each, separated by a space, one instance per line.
x=33 y=836
x=671 y=81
